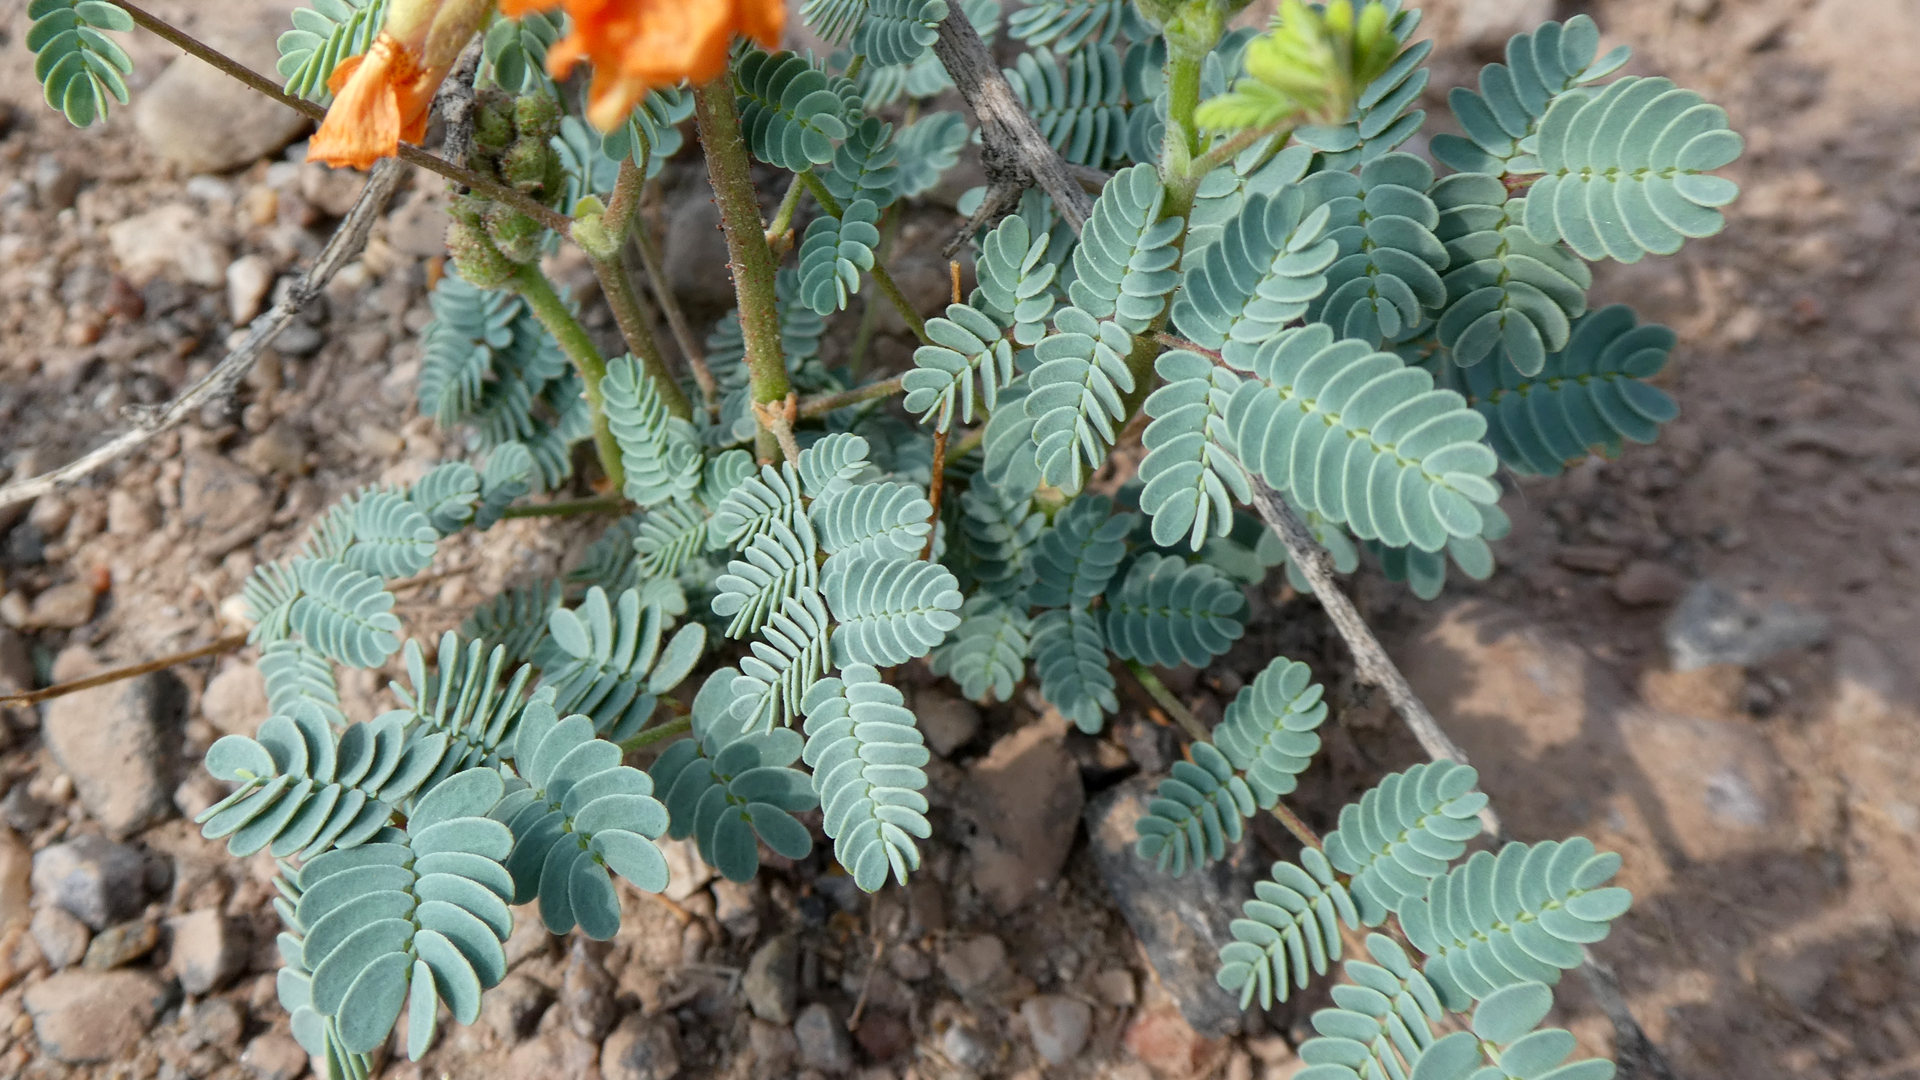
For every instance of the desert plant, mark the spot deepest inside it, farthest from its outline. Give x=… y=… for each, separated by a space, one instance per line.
x=1325 y=333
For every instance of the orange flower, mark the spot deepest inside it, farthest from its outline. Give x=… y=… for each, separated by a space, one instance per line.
x=385 y=95
x=640 y=45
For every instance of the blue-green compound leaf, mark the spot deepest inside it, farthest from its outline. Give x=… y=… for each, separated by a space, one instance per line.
x=775 y=565
x=928 y=147
x=1016 y=280
x=755 y=503
x=1271 y=264
x=1192 y=477
x=789 y=111
x=889 y=611
x=392 y=538
x=898 y=31
x=420 y=914
x=516 y=52
x=516 y=618
x=987 y=653
x=1628 y=170
x=293 y=671
x=1591 y=397
x=344 y=613
x=1075 y=397
x=79 y=66
x=580 y=815
x=883 y=520
x=1361 y=439
x=725 y=787
x=651 y=134
x=1542 y=66
x=1264 y=741
x=1068 y=24
x=661 y=452
x=476 y=714
x=867 y=759
x=270 y=593
x=997 y=531
x=1381 y=1022
x=863 y=165
x=1075 y=559
x=1078 y=101
x=834 y=253
x=447 y=495
x=1381 y=120
x=1167 y=613
x=1070 y=657
x=1267 y=730
x=1509 y=297
x=970 y=358
x=1387 y=273
x=1404 y=832
x=1123 y=268
x=1520 y=916
x=797 y=643
x=601 y=660
x=1290 y=932
x=323 y=35
x=303 y=789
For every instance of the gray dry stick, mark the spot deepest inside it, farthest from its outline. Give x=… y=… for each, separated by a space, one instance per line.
x=1016 y=153
x=217 y=384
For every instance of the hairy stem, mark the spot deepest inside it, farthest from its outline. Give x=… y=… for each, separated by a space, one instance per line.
x=537 y=291
x=677 y=322
x=409 y=153
x=751 y=258
x=783 y=217
x=881 y=279
x=936 y=483
x=1175 y=708
x=653 y=735
x=822 y=404
x=636 y=325
x=599 y=504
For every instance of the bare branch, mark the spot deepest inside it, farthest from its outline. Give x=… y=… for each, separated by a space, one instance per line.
x=34 y=697
x=1015 y=153
x=217 y=384
x=1638 y=1054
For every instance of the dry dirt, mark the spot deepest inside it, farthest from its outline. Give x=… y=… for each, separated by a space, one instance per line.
x=1768 y=815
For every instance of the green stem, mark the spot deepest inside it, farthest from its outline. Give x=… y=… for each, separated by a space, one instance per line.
x=1182 y=140
x=751 y=258
x=881 y=279
x=677 y=321
x=654 y=735
x=599 y=504
x=552 y=312
x=1158 y=691
x=869 y=311
x=783 y=217
x=967 y=444
x=602 y=248
x=823 y=404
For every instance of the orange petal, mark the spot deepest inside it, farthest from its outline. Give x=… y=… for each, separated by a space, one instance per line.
x=763 y=21
x=513 y=9
x=363 y=124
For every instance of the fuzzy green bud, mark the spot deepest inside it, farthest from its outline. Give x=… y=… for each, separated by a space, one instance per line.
x=517 y=236
x=475 y=258
x=536 y=116
x=590 y=229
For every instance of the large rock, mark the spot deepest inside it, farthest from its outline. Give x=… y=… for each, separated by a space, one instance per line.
x=1716 y=625
x=120 y=743
x=208 y=949
x=235 y=701
x=641 y=1048
x=1058 y=1026
x=82 y=1016
x=93 y=879
x=1024 y=799
x=1181 y=922
x=206 y=121
x=16 y=878
x=220 y=497
x=175 y=236
x=696 y=252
